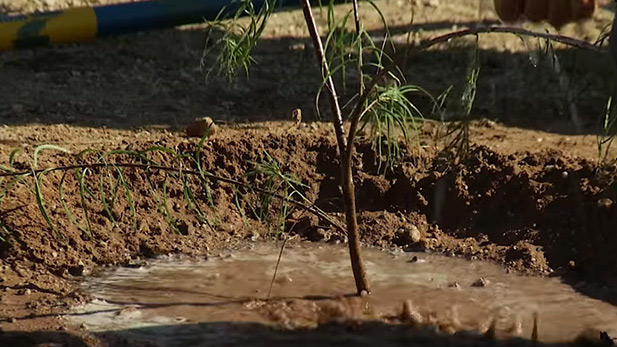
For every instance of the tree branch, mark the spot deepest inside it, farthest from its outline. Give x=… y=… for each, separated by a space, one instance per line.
x=337 y=117
x=349 y=197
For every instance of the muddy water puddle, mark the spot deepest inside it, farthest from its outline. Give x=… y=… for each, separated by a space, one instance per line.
x=182 y=302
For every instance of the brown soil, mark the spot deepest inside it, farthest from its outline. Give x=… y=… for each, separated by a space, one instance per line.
x=530 y=194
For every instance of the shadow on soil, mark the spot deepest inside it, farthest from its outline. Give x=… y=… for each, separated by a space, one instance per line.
x=253 y=334
x=154 y=79
x=41 y=338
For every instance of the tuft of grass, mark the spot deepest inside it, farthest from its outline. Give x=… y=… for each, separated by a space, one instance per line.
x=101 y=181
x=457 y=131
x=389 y=115
x=609 y=132
x=232 y=41
x=274 y=180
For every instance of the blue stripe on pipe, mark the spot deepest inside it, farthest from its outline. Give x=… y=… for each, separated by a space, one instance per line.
x=142 y=16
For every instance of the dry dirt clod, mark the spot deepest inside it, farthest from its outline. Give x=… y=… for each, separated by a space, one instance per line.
x=200 y=127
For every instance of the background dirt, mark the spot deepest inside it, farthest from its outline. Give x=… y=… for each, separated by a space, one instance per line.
x=530 y=195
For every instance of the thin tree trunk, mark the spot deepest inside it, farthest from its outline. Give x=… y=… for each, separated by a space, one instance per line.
x=349 y=198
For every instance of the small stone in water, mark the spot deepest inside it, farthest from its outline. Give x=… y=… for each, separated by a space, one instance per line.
x=284 y=279
x=481 y=282
x=415 y=259
x=455 y=285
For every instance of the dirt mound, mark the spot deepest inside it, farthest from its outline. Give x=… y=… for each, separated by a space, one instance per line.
x=532 y=211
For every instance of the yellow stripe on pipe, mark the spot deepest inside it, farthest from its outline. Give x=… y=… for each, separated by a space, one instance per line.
x=75 y=25
x=8 y=33
x=62 y=27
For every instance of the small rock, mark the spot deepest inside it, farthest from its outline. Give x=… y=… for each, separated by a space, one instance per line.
x=364 y=293
x=408 y=236
x=84 y=326
x=13 y=320
x=200 y=127
x=564 y=175
x=481 y=282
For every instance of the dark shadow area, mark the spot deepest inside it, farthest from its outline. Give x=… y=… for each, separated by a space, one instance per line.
x=254 y=334
x=154 y=79
x=41 y=338
x=248 y=334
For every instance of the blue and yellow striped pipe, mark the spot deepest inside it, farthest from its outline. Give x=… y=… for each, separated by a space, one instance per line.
x=88 y=23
